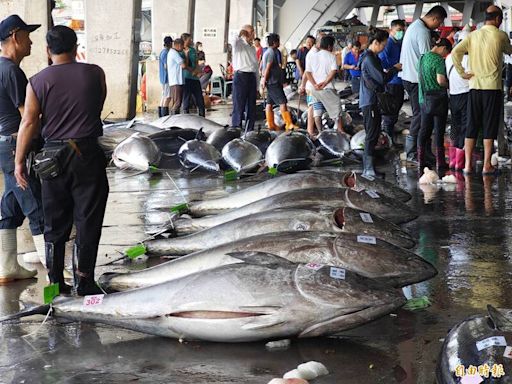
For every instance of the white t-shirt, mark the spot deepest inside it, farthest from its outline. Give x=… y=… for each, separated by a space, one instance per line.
x=320 y=65
x=457 y=84
x=175 y=72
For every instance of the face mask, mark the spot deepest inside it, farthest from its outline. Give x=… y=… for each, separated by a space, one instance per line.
x=399 y=35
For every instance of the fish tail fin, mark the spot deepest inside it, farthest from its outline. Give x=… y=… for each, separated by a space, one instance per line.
x=37 y=310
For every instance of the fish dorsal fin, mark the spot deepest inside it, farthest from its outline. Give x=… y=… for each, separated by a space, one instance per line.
x=199 y=133
x=501 y=319
x=261 y=258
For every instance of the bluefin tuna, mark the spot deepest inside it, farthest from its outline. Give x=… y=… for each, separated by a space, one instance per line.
x=114 y=134
x=188 y=121
x=314 y=218
x=222 y=136
x=382 y=261
x=241 y=155
x=294 y=182
x=199 y=154
x=261 y=297
x=170 y=141
x=137 y=152
x=290 y=152
x=333 y=144
x=260 y=138
x=478 y=341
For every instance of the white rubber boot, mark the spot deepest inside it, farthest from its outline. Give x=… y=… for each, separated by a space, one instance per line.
x=39 y=255
x=9 y=268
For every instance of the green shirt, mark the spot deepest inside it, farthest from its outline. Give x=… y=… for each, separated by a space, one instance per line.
x=429 y=66
x=192 y=62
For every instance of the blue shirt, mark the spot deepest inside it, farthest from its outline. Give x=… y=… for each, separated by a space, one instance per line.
x=416 y=43
x=163 y=66
x=351 y=60
x=391 y=56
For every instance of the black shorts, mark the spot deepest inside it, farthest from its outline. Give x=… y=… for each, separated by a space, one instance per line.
x=484 y=111
x=275 y=94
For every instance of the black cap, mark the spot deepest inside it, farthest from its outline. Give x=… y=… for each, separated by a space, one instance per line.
x=12 y=24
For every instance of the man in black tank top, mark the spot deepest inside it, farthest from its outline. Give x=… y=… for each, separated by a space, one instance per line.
x=70 y=119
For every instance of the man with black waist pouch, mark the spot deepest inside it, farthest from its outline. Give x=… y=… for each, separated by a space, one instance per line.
x=74 y=184
x=16 y=203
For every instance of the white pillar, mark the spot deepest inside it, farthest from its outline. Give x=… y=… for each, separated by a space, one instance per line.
x=32 y=12
x=212 y=32
x=269 y=10
x=467 y=12
x=400 y=11
x=417 y=10
x=361 y=15
x=375 y=15
x=163 y=24
x=114 y=46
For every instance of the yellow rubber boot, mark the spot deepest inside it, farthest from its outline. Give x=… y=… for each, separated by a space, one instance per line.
x=287 y=117
x=270 y=121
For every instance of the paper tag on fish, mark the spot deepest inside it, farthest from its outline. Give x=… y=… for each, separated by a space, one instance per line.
x=371 y=178
x=92 y=300
x=495 y=341
x=366 y=239
x=358 y=188
x=180 y=208
x=272 y=171
x=337 y=273
x=372 y=194
x=314 y=266
x=366 y=217
x=508 y=352
x=50 y=292
x=230 y=175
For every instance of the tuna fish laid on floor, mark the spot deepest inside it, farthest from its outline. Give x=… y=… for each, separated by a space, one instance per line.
x=382 y=261
x=199 y=154
x=290 y=152
x=383 y=143
x=188 y=121
x=314 y=218
x=333 y=144
x=170 y=141
x=241 y=155
x=359 y=182
x=114 y=134
x=260 y=138
x=222 y=136
x=347 y=219
x=289 y=183
x=261 y=297
x=137 y=152
x=479 y=341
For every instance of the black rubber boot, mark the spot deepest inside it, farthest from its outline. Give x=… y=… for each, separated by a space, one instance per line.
x=165 y=111
x=55 y=266
x=159 y=111
x=84 y=262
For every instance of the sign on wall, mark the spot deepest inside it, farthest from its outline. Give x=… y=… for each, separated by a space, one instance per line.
x=210 y=33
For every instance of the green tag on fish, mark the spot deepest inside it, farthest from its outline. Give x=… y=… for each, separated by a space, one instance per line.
x=417 y=303
x=152 y=168
x=230 y=175
x=272 y=171
x=50 y=292
x=135 y=251
x=180 y=208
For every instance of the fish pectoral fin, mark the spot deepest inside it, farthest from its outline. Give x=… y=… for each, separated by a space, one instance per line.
x=260 y=258
x=264 y=321
x=261 y=310
x=501 y=319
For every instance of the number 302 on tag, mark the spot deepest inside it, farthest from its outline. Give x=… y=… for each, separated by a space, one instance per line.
x=92 y=300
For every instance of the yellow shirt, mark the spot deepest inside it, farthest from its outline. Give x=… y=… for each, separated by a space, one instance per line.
x=485 y=48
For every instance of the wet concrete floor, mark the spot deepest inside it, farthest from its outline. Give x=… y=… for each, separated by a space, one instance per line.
x=463 y=229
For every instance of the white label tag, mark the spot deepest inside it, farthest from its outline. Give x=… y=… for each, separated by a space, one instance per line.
x=495 y=341
x=337 y=273
x=314 y=266
x=372 y=194
x=471 y=379
x=366 y=239
x=508 y=352
x=371 y=178
x=366 y=217
x=91 y=300
x=358 y=188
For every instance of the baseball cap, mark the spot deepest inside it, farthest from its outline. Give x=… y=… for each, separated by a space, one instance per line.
x=13 y=23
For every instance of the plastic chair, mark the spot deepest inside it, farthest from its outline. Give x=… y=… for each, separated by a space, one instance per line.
x=226 y=82
x=216 y=86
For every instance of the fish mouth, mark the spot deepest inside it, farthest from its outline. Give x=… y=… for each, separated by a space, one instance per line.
x=339 y=218
x=349 y=180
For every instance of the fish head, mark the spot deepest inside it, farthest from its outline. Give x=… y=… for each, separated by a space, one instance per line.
x=136 y=152
x=342 y=299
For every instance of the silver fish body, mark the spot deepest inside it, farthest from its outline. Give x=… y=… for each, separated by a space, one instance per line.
x=221 y=137
x=241 y=155
x=137 y=153
x=199 y=154
x=290 y=152
x=188 y=121
x=333 y=144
